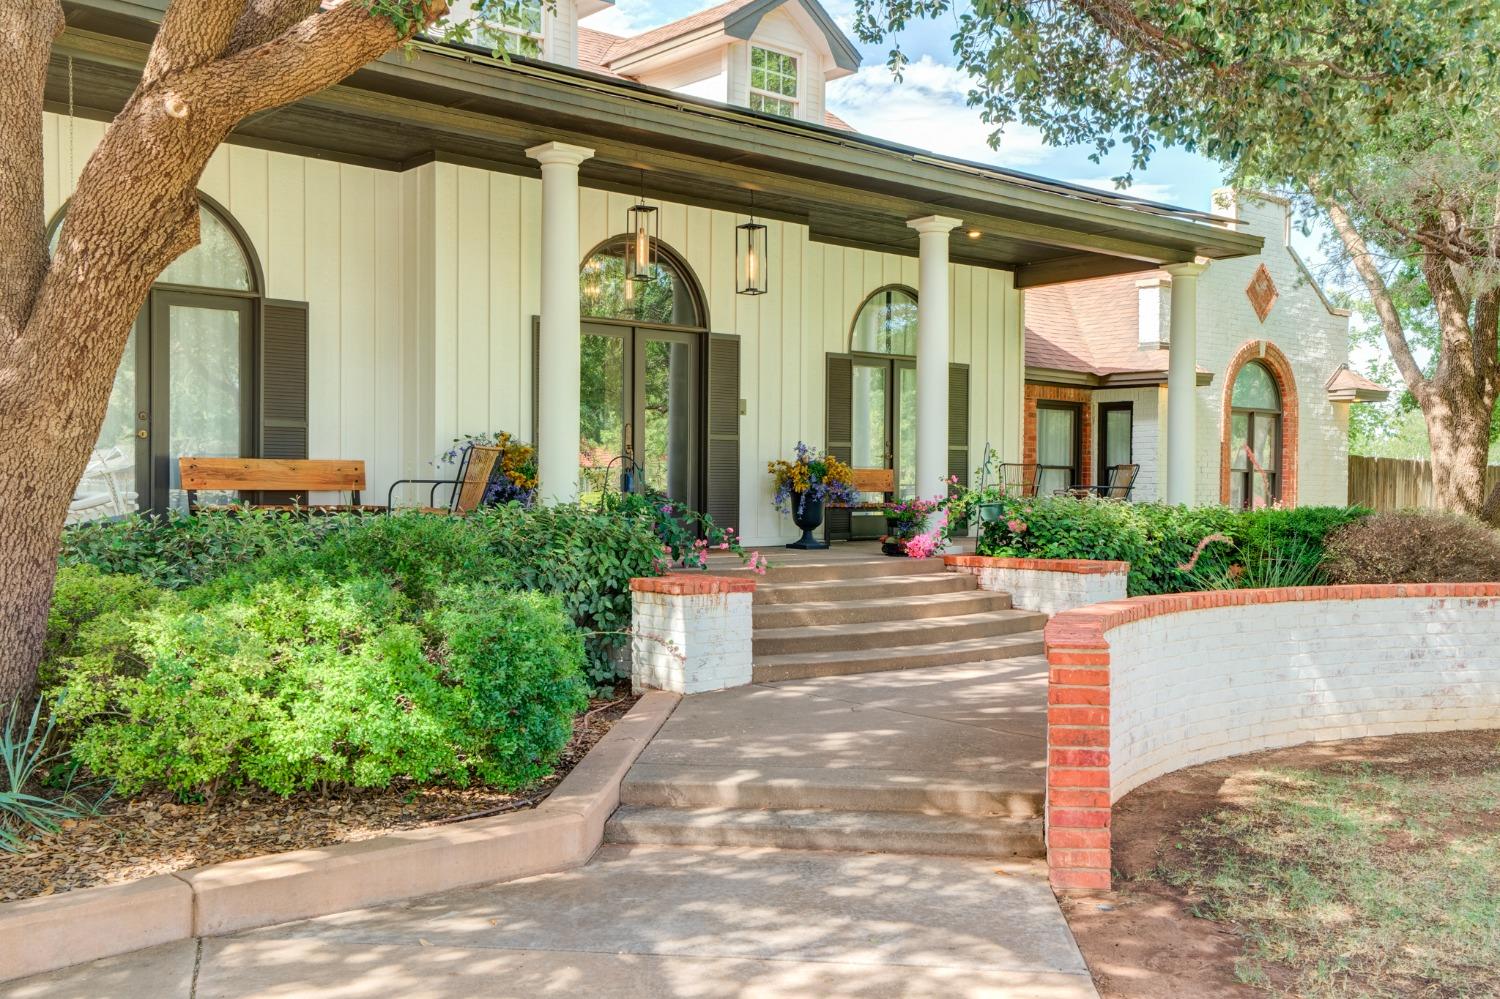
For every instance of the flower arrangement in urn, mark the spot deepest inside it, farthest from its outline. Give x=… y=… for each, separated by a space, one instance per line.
x=805 y=483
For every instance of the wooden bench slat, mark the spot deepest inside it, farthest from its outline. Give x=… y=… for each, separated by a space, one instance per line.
x=874 y=480
x=272 y=474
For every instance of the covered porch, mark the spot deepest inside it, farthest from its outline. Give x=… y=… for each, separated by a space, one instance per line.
x=436 y=218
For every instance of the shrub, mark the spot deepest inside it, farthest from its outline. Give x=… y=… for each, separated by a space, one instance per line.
x=1413 y=548
x=295 y=683
x=584 y=558
x=178 y=551
x=90 y=617
x=1171 y=549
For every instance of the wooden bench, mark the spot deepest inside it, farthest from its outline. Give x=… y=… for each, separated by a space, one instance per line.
x=870 y=480
x=276 y=475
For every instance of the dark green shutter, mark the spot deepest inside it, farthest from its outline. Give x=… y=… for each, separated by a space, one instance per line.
x=722 y=471
x=536 y=378
x=282 y=431
x=958 y=422
x=839 y=431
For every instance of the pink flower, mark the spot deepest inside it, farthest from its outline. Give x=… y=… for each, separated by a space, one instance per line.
x=666 y=508
x=1016 y=526
x=921 y=546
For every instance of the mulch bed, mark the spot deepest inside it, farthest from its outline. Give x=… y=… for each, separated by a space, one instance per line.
x=154 y=833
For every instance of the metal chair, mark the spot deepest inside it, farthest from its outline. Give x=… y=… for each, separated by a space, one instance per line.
x=1019 y=479
x=475 y=470
x=1119 y=482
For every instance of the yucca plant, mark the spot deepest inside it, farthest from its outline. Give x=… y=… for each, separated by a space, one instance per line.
x=28 y=761
x=1289 y=562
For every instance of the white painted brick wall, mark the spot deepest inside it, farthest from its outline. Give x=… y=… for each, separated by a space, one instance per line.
x=1314 y=339
x=1196 y=686
x=691 y=643
x=1051 y=592
x=1143 y=436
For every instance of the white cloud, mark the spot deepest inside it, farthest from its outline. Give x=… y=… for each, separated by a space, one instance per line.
x=630 y=17
x=1148 y=191
x=928 y=109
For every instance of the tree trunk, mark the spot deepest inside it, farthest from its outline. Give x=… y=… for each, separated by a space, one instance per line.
x=1460 y=450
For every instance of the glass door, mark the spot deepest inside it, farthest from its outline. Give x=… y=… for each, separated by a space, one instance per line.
x=904 y=427
x=199 y=394
x=1057 y=447
x=667 y=412
x=112 y=485
x=640 y=411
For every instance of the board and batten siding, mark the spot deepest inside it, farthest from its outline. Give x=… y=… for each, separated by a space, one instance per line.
x=487 y=287
x=421 y=286
x=336 y=237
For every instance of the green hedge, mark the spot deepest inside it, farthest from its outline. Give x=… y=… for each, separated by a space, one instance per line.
x=1258 y=547
x=266 y=650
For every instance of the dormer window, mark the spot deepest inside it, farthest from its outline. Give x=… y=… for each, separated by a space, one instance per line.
x=773 y=82
x=517 y=28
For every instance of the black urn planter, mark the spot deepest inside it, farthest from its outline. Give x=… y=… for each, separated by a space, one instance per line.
x=895 y=549
x=808 y=515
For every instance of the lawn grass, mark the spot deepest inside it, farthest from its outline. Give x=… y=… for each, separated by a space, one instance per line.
x=1355 y=879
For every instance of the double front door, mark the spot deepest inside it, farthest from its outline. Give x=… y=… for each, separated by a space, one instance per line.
x=183 y=388
x=641 y=410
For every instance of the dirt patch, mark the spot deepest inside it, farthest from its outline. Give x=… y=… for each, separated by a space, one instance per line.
x=153 y=833
x=1151 y=938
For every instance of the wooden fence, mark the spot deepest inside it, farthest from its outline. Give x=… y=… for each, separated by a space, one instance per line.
x=1397 y=483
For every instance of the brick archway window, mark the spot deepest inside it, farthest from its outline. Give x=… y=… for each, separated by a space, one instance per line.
x=1258 y=459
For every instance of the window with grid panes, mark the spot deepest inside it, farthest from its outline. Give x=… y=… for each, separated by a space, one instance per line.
x=773 y=82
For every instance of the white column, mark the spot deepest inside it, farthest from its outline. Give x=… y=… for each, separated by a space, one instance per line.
x=1182 y=385
x=561 y=336
x=932 y=352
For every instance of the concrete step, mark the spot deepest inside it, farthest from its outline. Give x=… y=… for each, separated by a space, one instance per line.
x=1016 y=793
x=803 y=665
x=884 y=636
x=909 y=586
x=817 y=829
x=822 y=612
x=810 y=570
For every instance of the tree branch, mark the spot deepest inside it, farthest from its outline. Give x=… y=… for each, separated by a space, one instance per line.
x=192 y=33
x=27 y=30
x=265 y=20
x=1380 y=295
x=313 y=54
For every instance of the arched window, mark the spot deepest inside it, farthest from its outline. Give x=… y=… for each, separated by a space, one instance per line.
x=188 y=376
x=1254 y=438
x=887 y=323
x=668 y=297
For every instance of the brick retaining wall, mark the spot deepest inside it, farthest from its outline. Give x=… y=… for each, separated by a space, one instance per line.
x=1141 y=687
x=1048 y=586
x=690 y=633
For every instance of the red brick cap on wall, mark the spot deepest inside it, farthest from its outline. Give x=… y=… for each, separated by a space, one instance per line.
x=691 y=585
x=1081 y=566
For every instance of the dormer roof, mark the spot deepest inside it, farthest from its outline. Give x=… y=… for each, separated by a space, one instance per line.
x=734 y=19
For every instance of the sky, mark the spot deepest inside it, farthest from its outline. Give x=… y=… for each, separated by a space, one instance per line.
x=927 y=109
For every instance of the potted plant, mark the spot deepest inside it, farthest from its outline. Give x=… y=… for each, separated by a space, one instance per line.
x=904 y=520
x=805 y=484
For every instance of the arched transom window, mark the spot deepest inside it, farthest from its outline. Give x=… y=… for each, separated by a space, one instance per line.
x=1254 y=438
x=668 y=296
x=887 y=323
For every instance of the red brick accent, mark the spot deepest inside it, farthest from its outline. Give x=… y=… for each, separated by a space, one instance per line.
x=1078 y=714
x=1275 y=361
x=1059 y=393
x=1080 y=566
x=685 y=585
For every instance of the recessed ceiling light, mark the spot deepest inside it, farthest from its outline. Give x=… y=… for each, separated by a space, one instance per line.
x=975 y=234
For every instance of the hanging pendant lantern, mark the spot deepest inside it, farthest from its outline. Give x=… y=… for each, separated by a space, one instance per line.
x=750 y=256
x=642 y=232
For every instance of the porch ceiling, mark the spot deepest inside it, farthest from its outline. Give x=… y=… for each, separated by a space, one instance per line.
x=848 y=189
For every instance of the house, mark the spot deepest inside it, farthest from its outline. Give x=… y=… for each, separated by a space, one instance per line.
x=656 y=250
x=1272 y=373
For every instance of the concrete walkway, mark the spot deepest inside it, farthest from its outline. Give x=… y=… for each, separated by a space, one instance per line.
x=673 y=921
